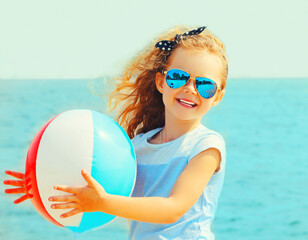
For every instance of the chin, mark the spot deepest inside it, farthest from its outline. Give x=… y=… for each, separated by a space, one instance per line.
x=187 y=117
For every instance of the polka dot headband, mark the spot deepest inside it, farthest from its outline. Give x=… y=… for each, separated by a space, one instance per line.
x=168 y=46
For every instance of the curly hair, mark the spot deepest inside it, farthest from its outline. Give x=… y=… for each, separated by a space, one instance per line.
x=140 y=104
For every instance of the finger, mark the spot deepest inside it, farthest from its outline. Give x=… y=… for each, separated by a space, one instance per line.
x=71 y=213
x=64 y=205
x=67 y=189
x=21 y=199
x=16 y=183
x=18 y=175
x=28 y=180
x=15 y=190
x=67 y=198
x=90 y=180
x=29 y=187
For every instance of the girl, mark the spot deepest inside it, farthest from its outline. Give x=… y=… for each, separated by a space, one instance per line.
x=164 y=93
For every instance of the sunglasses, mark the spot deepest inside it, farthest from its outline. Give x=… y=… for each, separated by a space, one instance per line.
x=177 y=78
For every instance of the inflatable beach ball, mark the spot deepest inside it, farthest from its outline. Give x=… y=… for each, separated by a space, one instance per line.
x=72 y=141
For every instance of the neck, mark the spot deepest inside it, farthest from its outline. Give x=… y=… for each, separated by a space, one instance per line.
x=174 y=129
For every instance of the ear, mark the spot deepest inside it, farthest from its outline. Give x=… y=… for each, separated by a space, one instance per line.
x=218 y=97
x=159 y=80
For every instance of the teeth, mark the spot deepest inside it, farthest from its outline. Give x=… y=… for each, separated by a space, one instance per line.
x=187 y=103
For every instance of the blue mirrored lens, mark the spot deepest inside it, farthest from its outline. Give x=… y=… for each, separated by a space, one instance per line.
x=176 y=78
x=206 y=87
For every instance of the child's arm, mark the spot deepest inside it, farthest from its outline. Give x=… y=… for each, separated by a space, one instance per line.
x=185 y=192
x=21 y=183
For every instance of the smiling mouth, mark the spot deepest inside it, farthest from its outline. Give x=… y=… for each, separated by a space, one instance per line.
x=187 y=105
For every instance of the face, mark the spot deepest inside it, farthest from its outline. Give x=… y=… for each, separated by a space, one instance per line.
x=200 y=63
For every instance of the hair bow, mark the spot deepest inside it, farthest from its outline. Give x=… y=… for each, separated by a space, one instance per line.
x=166 y=45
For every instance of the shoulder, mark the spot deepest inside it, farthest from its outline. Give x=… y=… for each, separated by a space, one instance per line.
x=206 y=139
x=142 y=136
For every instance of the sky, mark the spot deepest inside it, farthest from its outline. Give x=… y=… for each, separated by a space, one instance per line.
x=69 y=39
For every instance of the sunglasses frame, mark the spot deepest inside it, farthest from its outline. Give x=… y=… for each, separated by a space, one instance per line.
x=191 y=76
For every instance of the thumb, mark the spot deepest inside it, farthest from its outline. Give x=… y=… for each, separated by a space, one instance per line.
x=89 y=179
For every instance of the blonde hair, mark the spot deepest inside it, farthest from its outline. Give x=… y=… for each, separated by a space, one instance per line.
x=140 y=104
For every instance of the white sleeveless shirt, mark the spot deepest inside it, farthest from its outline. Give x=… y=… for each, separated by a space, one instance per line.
x=159 y=166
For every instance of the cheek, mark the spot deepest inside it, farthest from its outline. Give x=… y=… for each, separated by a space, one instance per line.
x=168 y=95
x=206 y=105
x=166 y=98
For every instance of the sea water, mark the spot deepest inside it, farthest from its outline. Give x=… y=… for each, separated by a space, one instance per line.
x=263 y=121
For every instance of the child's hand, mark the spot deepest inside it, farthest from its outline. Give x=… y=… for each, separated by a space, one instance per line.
x=83 y=199
x=22 y=184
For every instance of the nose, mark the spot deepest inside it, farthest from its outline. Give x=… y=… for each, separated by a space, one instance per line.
x=190 y=86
